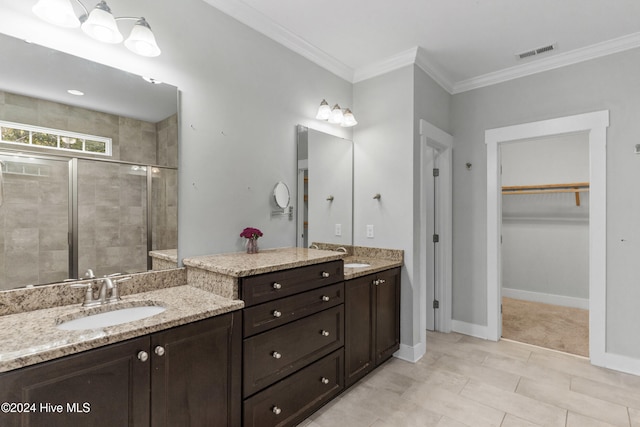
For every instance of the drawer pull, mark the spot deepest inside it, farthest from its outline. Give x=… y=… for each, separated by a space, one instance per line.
x=276 y=410
x=143 y=356
x=276 y=355
x=325 y=298
x=276 y=313
x=324 y=333
x=325 y=274
x=159 y=350
x=325 y=380
x=277 y=285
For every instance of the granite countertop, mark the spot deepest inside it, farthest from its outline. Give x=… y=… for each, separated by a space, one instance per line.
x=375 y=265
x=165 y=254
x=241 y=264
x=32 y=337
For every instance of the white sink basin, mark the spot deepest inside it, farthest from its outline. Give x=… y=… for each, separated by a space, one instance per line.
x=357 y=265
x=111 y=318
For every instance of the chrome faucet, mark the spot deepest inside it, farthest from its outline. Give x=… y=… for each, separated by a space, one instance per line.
x=107 y=286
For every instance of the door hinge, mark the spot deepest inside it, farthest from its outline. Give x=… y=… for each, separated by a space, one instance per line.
x=436 y=238
x=436 y=304
x=436 y=172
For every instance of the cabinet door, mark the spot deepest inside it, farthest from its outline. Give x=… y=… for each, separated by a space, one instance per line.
x=107 y=386
x=387 y=320
x=359 y=318
x=195 y=379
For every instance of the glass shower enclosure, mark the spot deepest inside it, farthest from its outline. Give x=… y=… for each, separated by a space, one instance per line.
x=61 y=216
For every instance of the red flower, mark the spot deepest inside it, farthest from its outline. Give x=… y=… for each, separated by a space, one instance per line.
x=251 y=233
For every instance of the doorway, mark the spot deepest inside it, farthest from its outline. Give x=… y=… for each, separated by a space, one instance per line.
x=436 y=227
x=545 y=242
x=595 y=126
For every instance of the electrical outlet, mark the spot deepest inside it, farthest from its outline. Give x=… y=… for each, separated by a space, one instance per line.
x=338 y=229
x=370 y=231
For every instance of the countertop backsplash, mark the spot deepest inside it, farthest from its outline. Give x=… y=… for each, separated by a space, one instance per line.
x=59 y=294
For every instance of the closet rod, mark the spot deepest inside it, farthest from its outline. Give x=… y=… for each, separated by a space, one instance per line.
x=576 y=187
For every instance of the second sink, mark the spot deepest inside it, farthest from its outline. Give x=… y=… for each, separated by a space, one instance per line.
x=356 y=265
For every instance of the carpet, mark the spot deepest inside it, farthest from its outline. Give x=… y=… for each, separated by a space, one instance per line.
x=550 y=326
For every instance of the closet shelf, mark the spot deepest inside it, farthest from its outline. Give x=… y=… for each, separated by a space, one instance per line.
x=575 y=187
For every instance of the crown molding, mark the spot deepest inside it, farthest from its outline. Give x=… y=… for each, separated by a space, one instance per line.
x=402 y=59
x=261 y=23
x=433 y=71
x=598 y=50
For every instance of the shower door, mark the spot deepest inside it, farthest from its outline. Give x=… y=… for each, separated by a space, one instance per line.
x=34 y=220
x=112 y=217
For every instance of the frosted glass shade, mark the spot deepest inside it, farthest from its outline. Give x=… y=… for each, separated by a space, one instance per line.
x=141 y=40
x=348 y=119
x=336 y=115
x=324 y=111
x=56 y=12
x=101 y=25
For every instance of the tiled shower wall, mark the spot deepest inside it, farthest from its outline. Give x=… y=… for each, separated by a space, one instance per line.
x=34 y=219
x=112 y=197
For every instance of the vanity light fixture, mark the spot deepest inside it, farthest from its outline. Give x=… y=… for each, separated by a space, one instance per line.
x=336 y=115
x=99 y=24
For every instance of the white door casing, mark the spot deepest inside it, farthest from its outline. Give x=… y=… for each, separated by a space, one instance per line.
x=595 y=124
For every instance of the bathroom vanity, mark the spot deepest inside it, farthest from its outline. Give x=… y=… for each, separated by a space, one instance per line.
x=246 y=339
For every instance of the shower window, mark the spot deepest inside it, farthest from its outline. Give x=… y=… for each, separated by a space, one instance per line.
x=16 y=133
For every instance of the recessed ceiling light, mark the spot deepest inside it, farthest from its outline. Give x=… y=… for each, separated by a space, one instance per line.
x=75 y=92
x=152 y=80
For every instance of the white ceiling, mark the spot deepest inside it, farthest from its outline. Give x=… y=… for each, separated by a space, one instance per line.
x=462 y=44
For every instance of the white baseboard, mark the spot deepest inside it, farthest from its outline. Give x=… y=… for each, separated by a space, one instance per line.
x=561 y=300
x=621 y=363
x=411 y=354
x=478 y=331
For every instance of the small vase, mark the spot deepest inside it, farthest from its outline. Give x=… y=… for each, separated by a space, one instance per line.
x=252 y=246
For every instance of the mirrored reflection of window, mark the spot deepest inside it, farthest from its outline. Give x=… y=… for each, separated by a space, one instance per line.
x=15 y=133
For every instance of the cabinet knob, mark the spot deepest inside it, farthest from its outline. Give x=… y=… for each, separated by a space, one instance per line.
x=159 y=350
x=276 y=355
x=276 y=410
x=325 y=380
x=277 y=285
x=381 y=281
x=325 y=274
x=376 y=282
x=143 y=356
x=276 y=313
x=324 y=333
x=325 y=298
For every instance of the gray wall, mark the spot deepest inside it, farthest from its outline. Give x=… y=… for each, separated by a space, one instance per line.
x=387 y=161
x=606 y=83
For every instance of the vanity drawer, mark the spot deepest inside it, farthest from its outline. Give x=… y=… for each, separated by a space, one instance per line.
x=266 y=287
x=293 y=399
x=272 y=355
x=275 y=313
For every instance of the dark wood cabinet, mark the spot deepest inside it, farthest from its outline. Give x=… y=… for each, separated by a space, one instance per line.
x=293 y=346
x=187 y=376
x=196 y=382
x=109 y=386
x=372 y=322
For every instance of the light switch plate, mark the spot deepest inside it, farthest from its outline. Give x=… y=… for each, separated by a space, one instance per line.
x=338 y=229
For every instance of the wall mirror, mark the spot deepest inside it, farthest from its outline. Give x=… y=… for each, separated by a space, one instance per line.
x=88 y=181
x=325 y=188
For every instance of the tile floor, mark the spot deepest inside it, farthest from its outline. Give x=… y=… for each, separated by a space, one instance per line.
x=465 y=381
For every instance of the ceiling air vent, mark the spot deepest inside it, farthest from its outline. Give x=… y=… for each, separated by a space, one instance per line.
x=537 y=51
